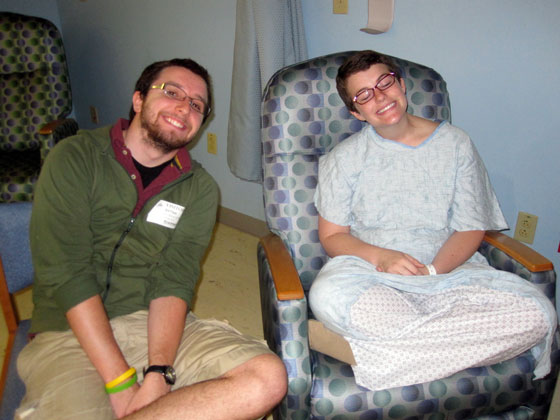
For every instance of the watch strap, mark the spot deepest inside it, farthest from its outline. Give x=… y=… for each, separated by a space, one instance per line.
x=166 y=371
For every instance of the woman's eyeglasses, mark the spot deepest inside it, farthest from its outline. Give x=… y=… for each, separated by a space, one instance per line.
x=367 y=94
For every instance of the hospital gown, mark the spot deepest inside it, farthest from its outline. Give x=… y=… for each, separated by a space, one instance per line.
x=405 y=330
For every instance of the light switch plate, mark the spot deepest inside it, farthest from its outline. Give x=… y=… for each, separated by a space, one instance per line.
x=212 y=141
x=340 y=7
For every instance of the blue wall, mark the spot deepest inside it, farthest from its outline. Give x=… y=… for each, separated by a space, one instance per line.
x=44 y=8
x=500 y=60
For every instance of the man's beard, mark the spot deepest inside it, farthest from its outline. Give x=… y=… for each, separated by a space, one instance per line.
x=165 y=142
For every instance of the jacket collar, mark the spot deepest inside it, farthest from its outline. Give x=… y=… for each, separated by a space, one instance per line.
x=181 y=161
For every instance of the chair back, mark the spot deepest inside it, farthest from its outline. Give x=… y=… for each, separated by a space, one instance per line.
x=34 y=82
x=303 y=117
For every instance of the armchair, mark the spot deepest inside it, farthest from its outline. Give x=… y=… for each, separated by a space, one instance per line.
x=303 y=118
x=35 y=101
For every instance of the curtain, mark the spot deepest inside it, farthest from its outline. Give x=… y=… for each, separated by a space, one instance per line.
x=269 y=35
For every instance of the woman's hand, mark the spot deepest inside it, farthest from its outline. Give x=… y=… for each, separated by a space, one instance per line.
x=337 y=240
x=458 y=248
x=396 y=262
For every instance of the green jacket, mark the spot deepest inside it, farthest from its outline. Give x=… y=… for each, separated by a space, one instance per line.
x=95 y=230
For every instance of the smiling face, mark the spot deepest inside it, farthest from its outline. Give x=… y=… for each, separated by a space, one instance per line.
x=168 y=124
x=387 y=107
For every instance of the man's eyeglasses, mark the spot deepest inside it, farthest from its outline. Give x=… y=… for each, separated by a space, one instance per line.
x=175 y=92
x=367 y=94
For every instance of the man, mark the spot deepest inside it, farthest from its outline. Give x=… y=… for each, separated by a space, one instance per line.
x=120 y=222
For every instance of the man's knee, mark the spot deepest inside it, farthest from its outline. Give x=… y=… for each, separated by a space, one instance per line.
x=275 y=377
x=268 y=377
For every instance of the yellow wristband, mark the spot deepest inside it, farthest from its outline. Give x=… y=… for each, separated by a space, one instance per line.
x=123 y=386
x=120 y=379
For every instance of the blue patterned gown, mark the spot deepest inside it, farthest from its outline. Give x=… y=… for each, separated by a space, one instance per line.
x=411 y=199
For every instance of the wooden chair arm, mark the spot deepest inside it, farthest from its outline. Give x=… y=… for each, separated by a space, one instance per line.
x=284 y=273
x=6 y=300
x=526 y=256
x=50 y=127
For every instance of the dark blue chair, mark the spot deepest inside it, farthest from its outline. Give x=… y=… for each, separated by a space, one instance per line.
x=16 y=274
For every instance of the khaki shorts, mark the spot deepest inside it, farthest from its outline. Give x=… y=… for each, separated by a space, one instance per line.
x=61 y=383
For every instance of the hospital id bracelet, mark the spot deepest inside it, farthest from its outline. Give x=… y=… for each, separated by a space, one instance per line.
x=431 y=269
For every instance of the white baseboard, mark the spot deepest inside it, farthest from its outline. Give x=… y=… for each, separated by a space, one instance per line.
x=242 y=222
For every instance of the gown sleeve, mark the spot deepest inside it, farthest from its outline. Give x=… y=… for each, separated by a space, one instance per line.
x=475 y=206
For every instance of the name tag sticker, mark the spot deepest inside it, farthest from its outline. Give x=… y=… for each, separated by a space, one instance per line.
x=165 y=214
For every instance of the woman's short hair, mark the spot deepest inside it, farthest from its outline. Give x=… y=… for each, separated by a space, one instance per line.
x=361 y=61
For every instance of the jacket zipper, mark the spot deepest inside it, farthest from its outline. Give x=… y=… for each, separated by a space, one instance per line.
x=113 y=254
x=123 y=237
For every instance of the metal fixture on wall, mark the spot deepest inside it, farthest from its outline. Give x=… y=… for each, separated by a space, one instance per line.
x=380 y=16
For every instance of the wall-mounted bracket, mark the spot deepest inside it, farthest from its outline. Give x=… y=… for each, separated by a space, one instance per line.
x=380 y=16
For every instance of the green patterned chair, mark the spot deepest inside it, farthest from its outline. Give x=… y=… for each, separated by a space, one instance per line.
x=35 y=99
x=303 y=118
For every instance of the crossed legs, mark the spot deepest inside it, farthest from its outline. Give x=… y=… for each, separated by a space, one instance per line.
x=248 y=391
x=220 y=374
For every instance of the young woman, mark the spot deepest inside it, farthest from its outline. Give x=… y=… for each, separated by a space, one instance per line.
x=403 y=207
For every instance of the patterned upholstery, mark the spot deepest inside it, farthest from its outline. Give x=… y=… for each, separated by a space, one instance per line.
x=35 y=90
x=303 y=118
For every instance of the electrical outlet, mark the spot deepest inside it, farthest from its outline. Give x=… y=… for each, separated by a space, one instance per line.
x=526 y=227
x=340 y=7
x=93 y=114
x=212 y=140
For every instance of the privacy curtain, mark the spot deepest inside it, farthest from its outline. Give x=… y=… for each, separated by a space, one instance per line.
x=269 y=35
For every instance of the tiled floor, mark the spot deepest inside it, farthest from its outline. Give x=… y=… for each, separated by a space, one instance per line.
x=229 y=288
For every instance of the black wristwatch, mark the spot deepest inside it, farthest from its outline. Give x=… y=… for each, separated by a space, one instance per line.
x=167 y=371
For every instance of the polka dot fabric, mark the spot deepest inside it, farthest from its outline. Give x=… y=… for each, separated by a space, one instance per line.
x=417 y=348
x=35 y=90
x=303 y=118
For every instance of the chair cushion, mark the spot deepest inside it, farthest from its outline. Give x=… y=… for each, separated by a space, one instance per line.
x=14 y=246
x=328 y=342
x=464 y=395
x=14 y=389
x=19 y=170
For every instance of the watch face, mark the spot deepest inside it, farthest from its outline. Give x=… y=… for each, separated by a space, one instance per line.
x=170 y=375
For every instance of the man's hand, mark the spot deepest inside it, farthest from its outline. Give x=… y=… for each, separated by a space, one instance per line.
x=121 y=400
x=396 y=262
x=153 y=387
x=91 y=326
